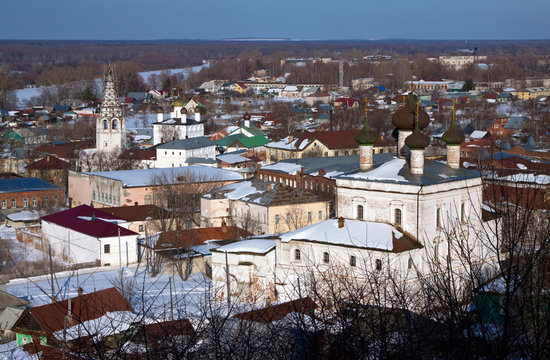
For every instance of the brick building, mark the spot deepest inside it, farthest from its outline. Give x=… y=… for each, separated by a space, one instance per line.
x=29 y=192
x=50 y=169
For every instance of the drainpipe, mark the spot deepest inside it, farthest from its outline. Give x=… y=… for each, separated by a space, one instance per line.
x=418 y=213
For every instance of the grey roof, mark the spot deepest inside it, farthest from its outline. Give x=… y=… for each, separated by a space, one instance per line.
x=10 y=300
x=435 y=172
x=25 y=184
x=515 y=122
x=188 y=144
x=329 y=164
x=145 y=131
x=199 y=160
x=145 y=177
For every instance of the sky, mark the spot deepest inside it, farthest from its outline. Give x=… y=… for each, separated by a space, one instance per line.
x=294 y=19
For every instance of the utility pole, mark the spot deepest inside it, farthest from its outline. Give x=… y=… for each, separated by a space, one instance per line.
x=171 y=302
x=120 y=261
x=51 y=267
x=228 y=283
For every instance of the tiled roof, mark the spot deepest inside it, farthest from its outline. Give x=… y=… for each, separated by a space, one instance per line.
x=48 y=163
x=25 y=184
x=51 y=317
x=81 y=219
x=193 y=237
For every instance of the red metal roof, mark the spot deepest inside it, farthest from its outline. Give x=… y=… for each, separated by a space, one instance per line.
x=49 y=163
x=344 y=139
x=78 y=219
x=194 y=237
x=277 y=312
x=51 y=317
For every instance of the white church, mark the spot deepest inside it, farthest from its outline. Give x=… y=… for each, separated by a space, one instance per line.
x=184 y=121
x=394 y=214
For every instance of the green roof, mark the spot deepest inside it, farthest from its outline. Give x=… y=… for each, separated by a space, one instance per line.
x=254 y=141
x=254 y=130
x=228 y=140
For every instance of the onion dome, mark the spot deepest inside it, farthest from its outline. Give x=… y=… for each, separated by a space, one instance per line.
x=453 y=136
x=201 y=110
x=417 y=140
x=183 y=110
x=160 y=110
x=366 y=136
x=404 y=118
x=178 y=102
x=246 y=116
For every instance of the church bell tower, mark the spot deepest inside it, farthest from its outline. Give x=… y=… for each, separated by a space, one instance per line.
x=110 y=125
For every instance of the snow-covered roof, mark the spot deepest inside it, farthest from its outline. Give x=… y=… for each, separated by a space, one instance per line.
x=386 y=171
x=25 y=215
x=109 y=324
x=144 y=177
x=232 y=158
x=364 y=234
x=286 y=167
x=528 y=178
x=284 y=144
x=478 y=134
x=256 y=246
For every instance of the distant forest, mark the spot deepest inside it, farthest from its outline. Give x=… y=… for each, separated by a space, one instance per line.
x=42 y=62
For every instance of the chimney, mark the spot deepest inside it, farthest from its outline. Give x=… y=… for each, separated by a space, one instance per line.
x=340 y=222
x=135 y=203
x=80 y=291
x=290 y=138
x=224 y=226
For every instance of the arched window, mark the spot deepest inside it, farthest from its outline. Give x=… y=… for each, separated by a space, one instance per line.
x=352 y=261
x=105 y=125
x=360 y=211
x=463 y=212
x=326 y=257
x=438 y=218
x=397 y=216
x=115 y=124
x=297 y=254
x=378 y=264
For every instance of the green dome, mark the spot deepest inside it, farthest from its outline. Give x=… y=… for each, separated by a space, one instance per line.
x=366 y=136
x=183 y=110
x=178 y=102
x=417 y=140
x=454 y=135
x=405 y=118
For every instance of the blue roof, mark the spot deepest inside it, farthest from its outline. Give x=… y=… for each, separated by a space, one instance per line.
x=25 y=184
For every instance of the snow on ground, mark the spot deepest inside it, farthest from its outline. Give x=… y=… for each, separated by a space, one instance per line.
x=185 y=71
x=26 y=95
x=140 y=120
x=19 y=251
x=150 y=296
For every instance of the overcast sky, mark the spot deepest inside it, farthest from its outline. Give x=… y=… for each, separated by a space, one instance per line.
x=296 y=19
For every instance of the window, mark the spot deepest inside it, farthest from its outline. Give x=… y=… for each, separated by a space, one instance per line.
x=4 y=204
x=107 y=249
x=438 y=218
x=352 y=261
x=360 y=211
x=320 y=215
x=12 y=203
x=46 y=200
x=288 y=218
x=411 y=263
x=93 y=194
x=436 y=253
x=115 y=124
x=326 y=257
x=378 y=264
x=463 y=212
x=397 y=217
x=276 y=219
x=110 y=199
x=141 y=228
x=188 y=224
x=297 y=254
x=105 y=124
x=309 y=216
x=25 y=202
x=34 y=202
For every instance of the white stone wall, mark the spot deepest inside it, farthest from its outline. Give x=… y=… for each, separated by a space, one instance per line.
x=178 y=157
x=81 y=248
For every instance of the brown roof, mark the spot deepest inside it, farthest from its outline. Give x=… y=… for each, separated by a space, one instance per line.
x=51 y=317
x=194 y=237
x=143 y=154
x=49 y=163
x=138 y=212
x=344 y=139
x=277 y=312
x=518 y=150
